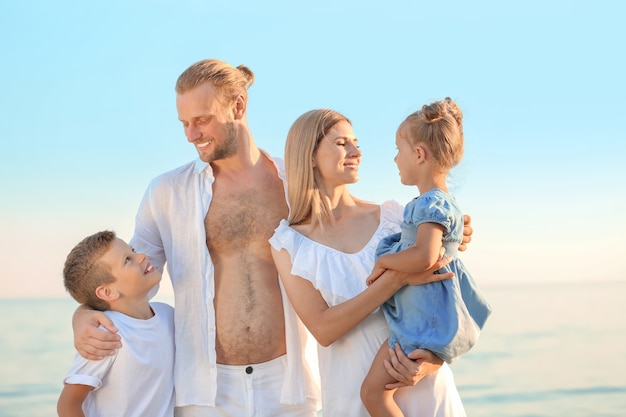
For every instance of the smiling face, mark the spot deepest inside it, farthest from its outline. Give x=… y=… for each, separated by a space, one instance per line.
x=209 y=124
x=133 y=273
x=337 y=157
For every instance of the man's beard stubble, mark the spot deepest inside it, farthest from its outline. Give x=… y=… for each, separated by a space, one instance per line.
x=228 y=147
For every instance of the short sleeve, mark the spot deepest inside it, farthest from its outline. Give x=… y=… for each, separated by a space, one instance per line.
x=87 y=372
x=431 y=207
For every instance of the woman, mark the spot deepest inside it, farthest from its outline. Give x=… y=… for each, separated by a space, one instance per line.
x=324 y=253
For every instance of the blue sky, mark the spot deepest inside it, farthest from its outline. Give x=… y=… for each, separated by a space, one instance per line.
x=88 y=115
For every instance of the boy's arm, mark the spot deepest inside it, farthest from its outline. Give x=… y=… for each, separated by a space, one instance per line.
x=70 y=402
x=418 y=257
x=90 y=341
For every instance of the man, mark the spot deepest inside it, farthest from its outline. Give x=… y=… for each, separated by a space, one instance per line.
x=211 y=220
x=239 y=346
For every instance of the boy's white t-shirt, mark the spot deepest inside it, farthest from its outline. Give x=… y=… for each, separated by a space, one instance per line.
x=139 y=379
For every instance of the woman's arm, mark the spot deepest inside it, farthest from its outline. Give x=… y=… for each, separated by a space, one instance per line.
x=90 y=341
x=328 y=324
x=70 y=402
x=418 y=257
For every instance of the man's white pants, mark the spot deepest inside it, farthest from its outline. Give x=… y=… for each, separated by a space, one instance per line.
x=250 y=391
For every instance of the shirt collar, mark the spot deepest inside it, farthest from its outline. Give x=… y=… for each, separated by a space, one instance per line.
x=200 y=166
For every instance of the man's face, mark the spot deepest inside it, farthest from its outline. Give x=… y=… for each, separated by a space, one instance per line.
x=208 y=122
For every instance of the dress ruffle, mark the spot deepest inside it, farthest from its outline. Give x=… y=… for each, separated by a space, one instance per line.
x=326 y=268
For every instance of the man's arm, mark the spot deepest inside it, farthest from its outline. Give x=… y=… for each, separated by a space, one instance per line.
x=467 y=232
x=70 y=402
x=90 y=341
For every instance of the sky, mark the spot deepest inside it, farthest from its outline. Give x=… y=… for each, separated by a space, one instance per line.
x=88 y=118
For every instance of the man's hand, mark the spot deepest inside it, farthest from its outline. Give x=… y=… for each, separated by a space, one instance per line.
x=467 y=232
x=90 y=341
x=408 y=370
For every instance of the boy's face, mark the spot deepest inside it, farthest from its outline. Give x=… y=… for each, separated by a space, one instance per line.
x=134 y=275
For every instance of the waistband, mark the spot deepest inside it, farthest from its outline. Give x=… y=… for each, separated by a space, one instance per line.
x=275 y=363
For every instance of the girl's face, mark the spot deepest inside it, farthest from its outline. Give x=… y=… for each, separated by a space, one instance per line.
x=405 y=159
x=337 y=157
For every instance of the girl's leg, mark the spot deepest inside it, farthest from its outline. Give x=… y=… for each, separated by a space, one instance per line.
x=377 y=399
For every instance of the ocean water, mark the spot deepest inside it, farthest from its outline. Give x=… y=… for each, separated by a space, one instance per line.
x=548 y=350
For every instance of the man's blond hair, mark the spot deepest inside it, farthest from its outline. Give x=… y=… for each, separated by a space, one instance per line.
x=230 y=81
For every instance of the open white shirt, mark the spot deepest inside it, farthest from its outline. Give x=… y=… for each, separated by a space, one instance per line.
x=170 y=227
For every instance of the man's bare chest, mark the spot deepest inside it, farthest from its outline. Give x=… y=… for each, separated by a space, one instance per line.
x=237 y=219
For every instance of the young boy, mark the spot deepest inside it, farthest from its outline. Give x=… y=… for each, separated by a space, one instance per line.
x=104 y=273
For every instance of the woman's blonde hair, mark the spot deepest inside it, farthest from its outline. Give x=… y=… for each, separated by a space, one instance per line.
x=439 y=126
x=305 y=134
x=229 y=80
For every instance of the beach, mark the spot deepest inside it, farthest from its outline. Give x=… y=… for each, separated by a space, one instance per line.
x=547 y=350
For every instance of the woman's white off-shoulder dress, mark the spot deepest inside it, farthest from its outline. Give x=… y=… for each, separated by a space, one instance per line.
x=340 y=276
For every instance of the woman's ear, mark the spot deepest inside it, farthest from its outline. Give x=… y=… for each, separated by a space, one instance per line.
x=107 y=293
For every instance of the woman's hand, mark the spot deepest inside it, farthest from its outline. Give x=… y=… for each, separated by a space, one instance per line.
x=467 y=232
x=374 y=275
x=90 y=341
x=408 y=370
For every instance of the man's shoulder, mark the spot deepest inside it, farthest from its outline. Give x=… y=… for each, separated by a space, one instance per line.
x=277 y=161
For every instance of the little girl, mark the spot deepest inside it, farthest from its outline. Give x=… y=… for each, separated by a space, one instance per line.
x=444 y=317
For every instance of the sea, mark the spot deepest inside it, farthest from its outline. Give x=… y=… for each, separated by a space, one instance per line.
x=548 y=350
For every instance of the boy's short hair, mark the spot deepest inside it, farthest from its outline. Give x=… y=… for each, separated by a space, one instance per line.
x=84 y=272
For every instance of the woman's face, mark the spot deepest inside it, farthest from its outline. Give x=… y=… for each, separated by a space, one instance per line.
x=337 y=157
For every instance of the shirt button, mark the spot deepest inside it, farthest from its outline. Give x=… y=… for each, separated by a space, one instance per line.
x=249 y=370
